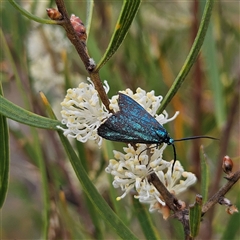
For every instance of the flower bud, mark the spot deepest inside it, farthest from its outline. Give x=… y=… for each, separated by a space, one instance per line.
x=199 y=199
x=54 y=14
x=227 y=165
x=79 y=27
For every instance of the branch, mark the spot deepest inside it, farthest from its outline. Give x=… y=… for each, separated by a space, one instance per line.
x=72 y=35
x=215 y=198
x=173 y=203
x=82 y=52
x=169 y=198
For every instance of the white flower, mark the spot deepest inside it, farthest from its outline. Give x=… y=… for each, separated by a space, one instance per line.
x=173 y=182
x=130 y=171
x=133 y=166
x=83 y=113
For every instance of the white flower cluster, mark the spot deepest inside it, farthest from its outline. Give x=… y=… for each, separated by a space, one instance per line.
x=83 y=113
x=130 y=171
x=135 y=165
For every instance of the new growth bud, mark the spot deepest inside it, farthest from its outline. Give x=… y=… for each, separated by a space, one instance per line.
x=54 y=14
x=79 y=27
x=227 y=165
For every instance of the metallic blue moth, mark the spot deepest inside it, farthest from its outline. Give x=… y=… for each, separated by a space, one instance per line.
x=133 y=124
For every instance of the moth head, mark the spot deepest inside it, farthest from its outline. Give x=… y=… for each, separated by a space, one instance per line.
x=168 y=140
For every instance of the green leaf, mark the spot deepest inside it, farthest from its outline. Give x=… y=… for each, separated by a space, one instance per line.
x=192 y=56
x=4 y=157
x=145 y=221
x=96 y=220
x=99 y=203
x=18 y=114
x=195 y=214
x=91 y=207
x=128 y=13
x=89 y=13
x=204 y=176
x=31 y=16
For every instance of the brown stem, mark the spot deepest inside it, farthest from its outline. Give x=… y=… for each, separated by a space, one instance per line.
x=82 y=52
x=72 y=35
x=169 y=199
x=183 y=214
x=172 y=203
x=223 y=190
x=99 y=87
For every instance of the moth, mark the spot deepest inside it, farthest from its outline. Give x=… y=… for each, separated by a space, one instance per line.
x=133 y=124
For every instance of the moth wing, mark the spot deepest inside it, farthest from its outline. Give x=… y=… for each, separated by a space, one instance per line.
x=131 y=124
x=114 y=135
x=132 y=109
x=138 y=115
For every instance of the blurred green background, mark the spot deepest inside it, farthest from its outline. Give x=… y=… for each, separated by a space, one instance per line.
x=150 y=57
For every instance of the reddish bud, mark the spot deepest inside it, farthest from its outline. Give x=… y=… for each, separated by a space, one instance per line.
x=54 y=14
x=227 y=165
x=199 y=199
x=79 y=27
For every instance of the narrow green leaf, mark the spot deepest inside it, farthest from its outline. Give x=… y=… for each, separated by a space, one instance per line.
x=80 y=148
x=195 y=214
x=44 y=184
x=31 y=16
x=192 y=56
x=89 y=12
x=91 y=193
x=126 y=17
x=145 y=221
x=204 y=176
x=18 y=114
x=96 y=219
x=102 y=207
x=4 y=157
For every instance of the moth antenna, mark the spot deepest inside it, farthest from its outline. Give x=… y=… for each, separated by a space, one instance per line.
x=194 y=137
x=174 y=157
x=185 y=139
